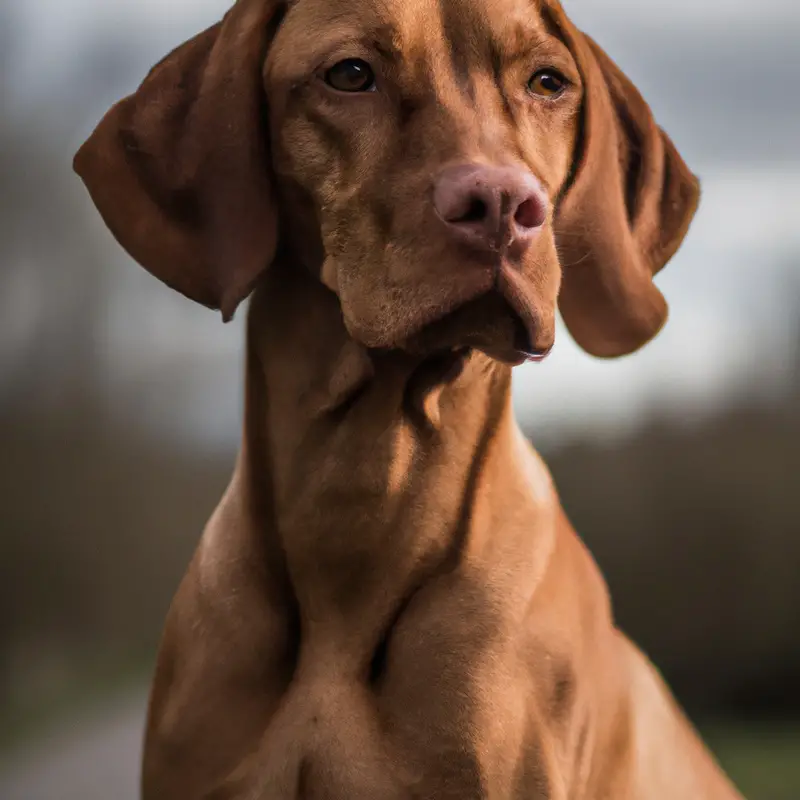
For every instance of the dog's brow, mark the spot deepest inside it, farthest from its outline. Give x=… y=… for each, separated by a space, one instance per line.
x=524 y=41
x=382 y=38
x=551 y=24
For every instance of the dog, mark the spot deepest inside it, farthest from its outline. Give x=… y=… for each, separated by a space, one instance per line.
x=389 y=601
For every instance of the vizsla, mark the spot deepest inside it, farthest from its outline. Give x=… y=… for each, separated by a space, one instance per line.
x=389 y=602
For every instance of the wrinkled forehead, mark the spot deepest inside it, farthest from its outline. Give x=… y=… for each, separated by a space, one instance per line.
x=414 y=30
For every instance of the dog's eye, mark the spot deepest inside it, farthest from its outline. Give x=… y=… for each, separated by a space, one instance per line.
x=547 y=83
x=351 y=75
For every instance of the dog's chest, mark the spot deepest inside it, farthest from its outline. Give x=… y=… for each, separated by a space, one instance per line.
x=450 y=715
x=412 y=677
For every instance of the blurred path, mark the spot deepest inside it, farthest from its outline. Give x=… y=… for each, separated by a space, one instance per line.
x=93 y=756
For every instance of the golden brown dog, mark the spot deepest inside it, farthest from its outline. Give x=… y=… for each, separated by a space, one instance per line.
x=389 y=601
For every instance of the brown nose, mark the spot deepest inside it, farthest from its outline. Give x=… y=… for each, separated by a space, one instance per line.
x=490 y=208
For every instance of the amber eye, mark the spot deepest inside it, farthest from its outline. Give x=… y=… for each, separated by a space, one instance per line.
x=547 y=83
x=351 y=75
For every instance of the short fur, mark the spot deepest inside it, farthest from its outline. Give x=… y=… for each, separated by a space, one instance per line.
x=389 y=601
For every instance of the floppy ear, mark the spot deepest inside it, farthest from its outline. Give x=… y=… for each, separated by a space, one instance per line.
x=180 y=170
x=624 y=214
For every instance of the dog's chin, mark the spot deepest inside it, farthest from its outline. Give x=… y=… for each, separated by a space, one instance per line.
x=489 y=325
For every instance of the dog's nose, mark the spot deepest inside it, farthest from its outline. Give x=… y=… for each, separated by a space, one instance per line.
x=490 y=208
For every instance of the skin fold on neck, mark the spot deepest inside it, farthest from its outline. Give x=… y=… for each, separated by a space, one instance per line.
x=350 y=444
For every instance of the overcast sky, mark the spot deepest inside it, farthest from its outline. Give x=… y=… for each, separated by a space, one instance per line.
x=722 y=76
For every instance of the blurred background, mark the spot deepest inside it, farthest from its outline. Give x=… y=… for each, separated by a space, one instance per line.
x=120 y=401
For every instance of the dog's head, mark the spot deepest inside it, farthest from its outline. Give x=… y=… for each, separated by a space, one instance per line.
x=452 y=169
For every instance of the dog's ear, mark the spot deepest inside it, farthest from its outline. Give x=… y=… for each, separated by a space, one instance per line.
x=180 y=170
x=624 y=213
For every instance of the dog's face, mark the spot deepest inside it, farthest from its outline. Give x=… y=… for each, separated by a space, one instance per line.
x=444 y=166
x=432 y=138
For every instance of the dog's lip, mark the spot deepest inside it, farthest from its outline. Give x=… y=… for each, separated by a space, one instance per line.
x=510 y=283
x=527 y=351
x=496 y=275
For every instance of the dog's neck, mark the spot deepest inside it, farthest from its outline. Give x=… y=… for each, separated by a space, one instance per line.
x=371 y=471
